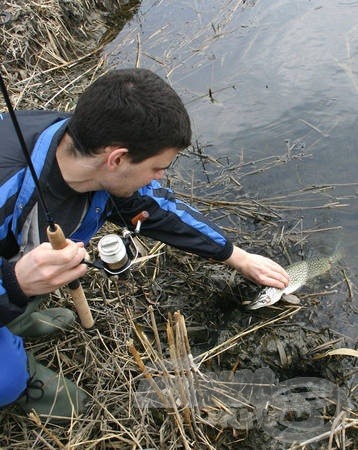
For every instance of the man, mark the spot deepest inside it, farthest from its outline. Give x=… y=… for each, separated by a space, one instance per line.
x=101 y=163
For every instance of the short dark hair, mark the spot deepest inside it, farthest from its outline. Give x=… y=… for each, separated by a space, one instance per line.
x=133 y=108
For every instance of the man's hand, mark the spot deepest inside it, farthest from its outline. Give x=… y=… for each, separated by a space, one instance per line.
x=44 y=269
x=258 y=269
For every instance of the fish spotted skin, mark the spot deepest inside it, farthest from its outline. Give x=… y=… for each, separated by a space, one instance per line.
x=300 y=273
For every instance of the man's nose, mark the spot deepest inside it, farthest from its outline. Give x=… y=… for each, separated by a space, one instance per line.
x=159 y=174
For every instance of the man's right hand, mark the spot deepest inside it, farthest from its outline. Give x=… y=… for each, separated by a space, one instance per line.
x=43 y=269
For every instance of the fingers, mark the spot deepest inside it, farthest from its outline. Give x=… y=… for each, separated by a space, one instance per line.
x=266 y=272
x=69 y=256
x=66 y=263
x=273 y=279
x=44 y=269
x=275 y=275
x=57 y=280
x=259 y=269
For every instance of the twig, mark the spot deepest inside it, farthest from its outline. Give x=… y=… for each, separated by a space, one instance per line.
x=224 y=346
x=35 y=418
x=340 y=427
x=314 y=128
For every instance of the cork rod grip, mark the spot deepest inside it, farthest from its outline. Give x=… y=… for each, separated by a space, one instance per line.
x=58 y=242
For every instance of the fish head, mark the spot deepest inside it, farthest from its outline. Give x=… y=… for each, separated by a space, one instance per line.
x=268 y=296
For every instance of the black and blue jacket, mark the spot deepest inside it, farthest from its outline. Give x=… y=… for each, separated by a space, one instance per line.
x=23 y=221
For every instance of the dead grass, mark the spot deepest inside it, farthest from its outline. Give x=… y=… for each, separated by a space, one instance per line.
x=51 y=49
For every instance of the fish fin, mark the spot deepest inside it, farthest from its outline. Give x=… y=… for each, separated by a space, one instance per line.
x=291 y=299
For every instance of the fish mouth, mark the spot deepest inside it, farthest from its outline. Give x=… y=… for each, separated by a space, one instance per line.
x=259 y=303
x=254 y=306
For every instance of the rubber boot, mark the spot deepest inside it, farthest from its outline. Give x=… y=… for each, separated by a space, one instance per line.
x=33 y=324
x=54 y=398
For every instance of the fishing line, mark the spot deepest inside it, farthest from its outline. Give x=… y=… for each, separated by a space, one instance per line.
x=53 y=228
x=26 y=153
x=54 y=231
x=6 y=17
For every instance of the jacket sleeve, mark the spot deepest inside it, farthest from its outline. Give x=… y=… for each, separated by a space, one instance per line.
x=173 y=222
x=12 y=177
x=12 y=300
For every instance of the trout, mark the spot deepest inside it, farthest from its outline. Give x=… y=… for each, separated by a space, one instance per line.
x=300 y=273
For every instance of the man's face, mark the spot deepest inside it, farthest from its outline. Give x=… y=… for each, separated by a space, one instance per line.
x=127 y=177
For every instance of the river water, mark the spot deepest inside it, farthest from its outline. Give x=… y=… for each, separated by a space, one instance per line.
x=274 y=82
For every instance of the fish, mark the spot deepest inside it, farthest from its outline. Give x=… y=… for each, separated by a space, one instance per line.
x=299 y=272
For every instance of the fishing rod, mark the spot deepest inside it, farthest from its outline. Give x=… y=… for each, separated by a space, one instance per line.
x=54 y=232
x=116 y=254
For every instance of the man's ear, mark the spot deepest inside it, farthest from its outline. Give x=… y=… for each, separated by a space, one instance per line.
x=115 y=156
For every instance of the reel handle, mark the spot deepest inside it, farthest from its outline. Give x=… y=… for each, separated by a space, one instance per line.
x=58 y=241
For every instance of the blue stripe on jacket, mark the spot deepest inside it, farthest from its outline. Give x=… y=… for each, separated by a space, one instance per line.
x=2 y=289
x=38 y=158
x=190 y=216
x=4 y=228
x=10 y=187
x=93 y=219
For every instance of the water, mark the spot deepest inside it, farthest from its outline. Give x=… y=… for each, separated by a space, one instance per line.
x=257 y=80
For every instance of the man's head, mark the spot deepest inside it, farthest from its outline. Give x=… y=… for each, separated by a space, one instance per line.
x=133 y=109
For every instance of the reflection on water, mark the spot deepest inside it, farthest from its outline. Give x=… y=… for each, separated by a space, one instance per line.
x=258 y=79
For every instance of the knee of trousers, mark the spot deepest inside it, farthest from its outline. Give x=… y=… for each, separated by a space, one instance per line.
x=13 y=367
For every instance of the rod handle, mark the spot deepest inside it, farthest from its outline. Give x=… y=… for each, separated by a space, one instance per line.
x=142 y=216
x=58 y=241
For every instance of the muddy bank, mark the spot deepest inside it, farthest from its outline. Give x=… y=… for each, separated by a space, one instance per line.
x=279 y=346
x=50 y=51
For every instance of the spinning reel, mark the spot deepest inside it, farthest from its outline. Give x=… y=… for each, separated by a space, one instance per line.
x=116 y=254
